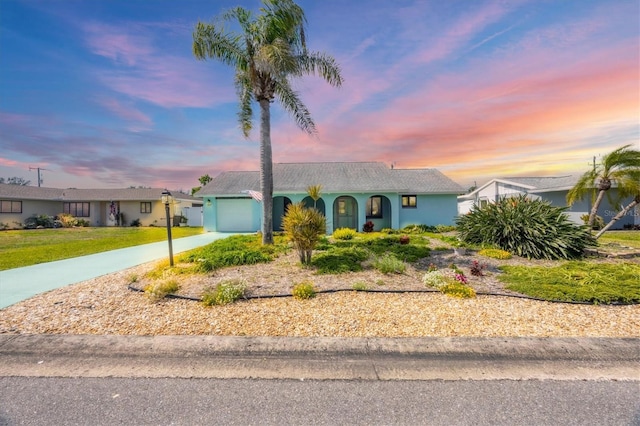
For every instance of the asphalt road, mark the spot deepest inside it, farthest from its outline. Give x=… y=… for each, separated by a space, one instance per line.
x=120 y=401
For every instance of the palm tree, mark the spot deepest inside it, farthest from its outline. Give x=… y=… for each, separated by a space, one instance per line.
x=267 y=53
x=621 y=168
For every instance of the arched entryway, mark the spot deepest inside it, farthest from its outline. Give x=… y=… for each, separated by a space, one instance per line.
x=309 y=202
x=345 y=213
x=280 y=205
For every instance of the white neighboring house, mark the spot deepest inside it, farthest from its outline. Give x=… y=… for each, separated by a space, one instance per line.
x=552 y=189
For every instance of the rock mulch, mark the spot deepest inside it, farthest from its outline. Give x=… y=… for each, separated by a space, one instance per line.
x=105 y=305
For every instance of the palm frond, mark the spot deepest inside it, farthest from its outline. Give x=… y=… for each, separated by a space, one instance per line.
x=585 y=186
x=293 y=105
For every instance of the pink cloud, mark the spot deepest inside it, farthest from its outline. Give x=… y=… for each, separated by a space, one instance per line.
x=139 y=120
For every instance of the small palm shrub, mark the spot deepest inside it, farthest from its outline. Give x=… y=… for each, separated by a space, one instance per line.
x=304 y=227
x=344 y=234
x=527 y=228
x=224 y=293
x=495 y=254
x=304 y=290
x=389 y=264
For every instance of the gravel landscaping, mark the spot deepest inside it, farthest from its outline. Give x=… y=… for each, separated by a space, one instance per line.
x=106 y=305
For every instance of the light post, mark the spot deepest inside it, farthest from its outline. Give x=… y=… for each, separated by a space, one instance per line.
x=166 y=200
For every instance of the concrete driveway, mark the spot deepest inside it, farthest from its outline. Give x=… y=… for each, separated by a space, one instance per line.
x=22 y=283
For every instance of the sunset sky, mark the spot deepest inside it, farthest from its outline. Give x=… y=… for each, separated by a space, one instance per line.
x=106 y=93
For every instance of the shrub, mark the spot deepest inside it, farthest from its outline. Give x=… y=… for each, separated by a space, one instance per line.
x=304 y=290
x=233 y=251
x=359 y=286
x=304 y=226
x=344 y=234
x=136 y=223
x=368 y=227
x=495 y=253
x=436 y=279
x=338 y=260
x=418 y=229
x=441 y=229
x=67 y=220
x=36 y=221
x=160 y=290
x=598 y=223
x=477 y=268
x=388 y=231
x=389 y=264
x=458 y=289
x=224 y=293
x=528 y=228
x=405 y=239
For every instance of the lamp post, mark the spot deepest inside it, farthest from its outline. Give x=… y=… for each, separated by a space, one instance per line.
x=166 y=200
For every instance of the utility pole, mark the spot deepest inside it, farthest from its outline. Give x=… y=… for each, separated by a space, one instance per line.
x=38 y=169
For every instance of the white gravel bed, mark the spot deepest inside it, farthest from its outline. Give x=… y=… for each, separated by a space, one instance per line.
x=104 y=305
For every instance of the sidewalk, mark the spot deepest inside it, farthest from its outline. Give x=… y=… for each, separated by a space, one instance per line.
x=22 y=283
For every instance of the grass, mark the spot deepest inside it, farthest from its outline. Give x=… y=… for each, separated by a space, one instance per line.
x=29 y=247
x=577 y=281
x=625 y=238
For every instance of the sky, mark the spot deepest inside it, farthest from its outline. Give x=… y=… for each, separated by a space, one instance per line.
x=107 y=93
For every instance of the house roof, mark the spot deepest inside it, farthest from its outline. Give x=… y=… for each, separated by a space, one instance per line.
x=531 y=184
x=25 y=192
x=366 y=177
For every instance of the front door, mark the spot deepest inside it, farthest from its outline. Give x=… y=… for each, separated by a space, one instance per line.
x=345 y=213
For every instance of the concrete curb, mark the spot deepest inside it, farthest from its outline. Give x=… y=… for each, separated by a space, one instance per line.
x=320 y=358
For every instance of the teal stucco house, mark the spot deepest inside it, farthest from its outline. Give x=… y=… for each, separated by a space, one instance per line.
x=352 y=194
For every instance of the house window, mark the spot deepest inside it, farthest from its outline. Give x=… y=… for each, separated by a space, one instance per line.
x=8 y=206
x=374 y=207
x=409 y=201
x=77 y=209
x=145 y=207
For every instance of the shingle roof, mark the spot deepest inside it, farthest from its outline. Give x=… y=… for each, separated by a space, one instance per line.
x=545 y=183
x=366 y=177
x=72 y=194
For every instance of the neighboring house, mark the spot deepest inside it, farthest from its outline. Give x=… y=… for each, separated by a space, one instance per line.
x=352 y=194
x=100 y=207
x=552 y=189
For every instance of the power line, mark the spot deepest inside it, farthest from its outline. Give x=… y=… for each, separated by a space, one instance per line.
x=38 y=169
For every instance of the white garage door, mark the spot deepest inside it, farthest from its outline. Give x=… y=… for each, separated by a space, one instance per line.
x=235 y=215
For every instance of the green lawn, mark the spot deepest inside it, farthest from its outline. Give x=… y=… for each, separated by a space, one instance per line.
x=625 y=238
x=29 y=247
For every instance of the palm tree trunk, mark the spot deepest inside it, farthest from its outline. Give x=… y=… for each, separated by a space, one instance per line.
x=617 y=217
x=594 y=209
x=266 y=172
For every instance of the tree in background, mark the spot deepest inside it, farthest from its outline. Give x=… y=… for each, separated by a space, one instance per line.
x=15 y=181
x=269 y=51
x=621 y=168
x=204 y=179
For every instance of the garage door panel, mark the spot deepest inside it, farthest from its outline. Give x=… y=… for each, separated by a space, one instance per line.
x=235 y=215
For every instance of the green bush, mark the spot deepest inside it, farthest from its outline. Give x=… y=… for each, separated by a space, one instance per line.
x=304 y=226
x=527 y=228
x=304 y=290
x=234 y=251
x=389 y=264
x=224 y=293
x=339 y=260
x=344 y=234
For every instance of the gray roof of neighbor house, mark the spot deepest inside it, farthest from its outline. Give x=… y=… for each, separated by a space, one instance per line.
x=531 y=184
x=553 y=183
x=71 y=194
x=335 y=177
